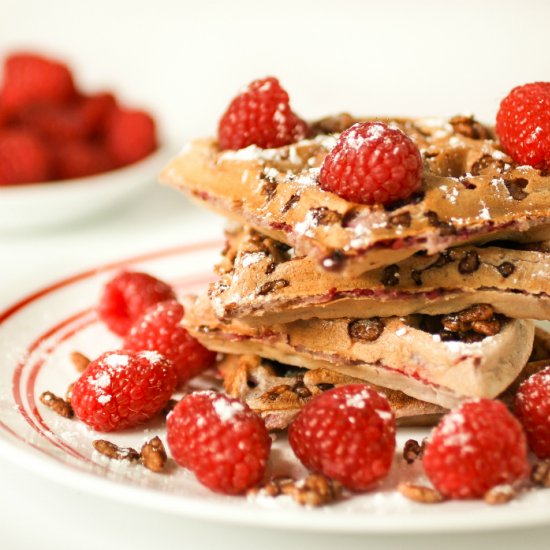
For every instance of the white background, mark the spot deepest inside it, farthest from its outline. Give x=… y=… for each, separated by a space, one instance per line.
x=184 y=61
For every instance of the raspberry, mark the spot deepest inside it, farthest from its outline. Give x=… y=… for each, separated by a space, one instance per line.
x=63 y=123
x=127 y=296
x=220 y=439
x=159 y=329
x=77 y=159
x=523 y=124
x=347 y=434
x=260 y=115
x=130 y=135
x=532 y=407
x=123 y=389
x=475 y=447
x=4 y=117
x=372 y=163
x=96 y=111
x=31 y=79
x=23 y=158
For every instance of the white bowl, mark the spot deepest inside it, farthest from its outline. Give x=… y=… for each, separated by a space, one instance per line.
x=40 y=205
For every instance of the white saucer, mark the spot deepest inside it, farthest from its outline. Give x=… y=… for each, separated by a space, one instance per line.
x=41 y=205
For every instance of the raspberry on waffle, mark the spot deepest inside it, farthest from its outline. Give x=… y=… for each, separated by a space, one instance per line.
x=413 y=354
x=523 y=124
x=471 y=192
x=261 y=281
x=373 y=163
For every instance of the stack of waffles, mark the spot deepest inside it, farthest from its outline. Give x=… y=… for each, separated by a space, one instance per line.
x=430 y=300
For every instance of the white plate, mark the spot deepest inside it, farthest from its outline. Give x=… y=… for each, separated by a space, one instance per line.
x=39 y=205
x=38 y=333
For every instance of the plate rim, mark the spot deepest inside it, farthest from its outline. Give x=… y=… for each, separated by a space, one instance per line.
x=48 y=467
x=274 y=518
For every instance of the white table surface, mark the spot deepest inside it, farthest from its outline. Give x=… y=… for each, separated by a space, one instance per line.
x=184 y=60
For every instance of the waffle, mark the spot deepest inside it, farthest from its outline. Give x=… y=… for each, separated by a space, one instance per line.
x=397 y=353
x=472 y=192
x=278 y=392
x=262 y=282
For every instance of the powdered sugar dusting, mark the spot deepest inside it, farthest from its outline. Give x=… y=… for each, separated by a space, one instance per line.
x=288 y=153
x=116 y=360
x=152 y=356
x=470 y=348
x=293 y=155
x=452 y=429
x=279 y=115
x=358 y=400
x=252 y=152
x=452 y=422
x=306 y=226
x=252 y=258
x=485 y=214
x=201 y=421
x=451 y=193
x=264 y=499
x=308 y=177
x=265 y=87
x=104 y=399
x=458 y=440
x=225 y=409
x=101 y=382
x=384 y=415
x=354 y=140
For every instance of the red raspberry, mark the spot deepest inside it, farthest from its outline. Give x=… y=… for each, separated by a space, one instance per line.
x=77 y=159
x=96 y=111
x=372 y=163
x=475 y=447
x=65 y=123
x=123 y=389
x=23 y=158
x=160 y=329
x=532 y=407
x=130 y=135
x=126 y=297
x=31 y=79
x=260 y=115
x=523 y=124
x=4 y=117
x=348 y=434
x=220 y=439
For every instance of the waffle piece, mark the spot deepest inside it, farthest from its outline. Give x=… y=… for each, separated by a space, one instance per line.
x=395 y=352
x=262 y=282
x=278 y=392
x=472 y=192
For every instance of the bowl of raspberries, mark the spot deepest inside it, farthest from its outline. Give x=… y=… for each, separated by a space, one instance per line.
x=67 y=153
